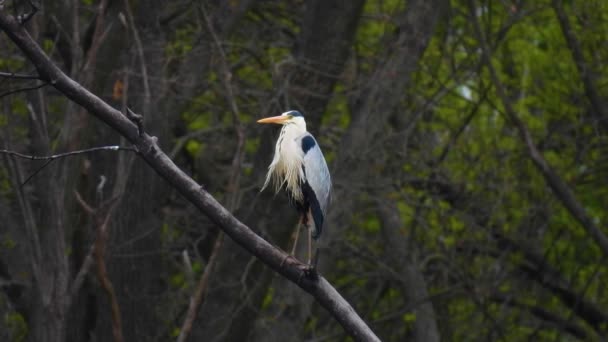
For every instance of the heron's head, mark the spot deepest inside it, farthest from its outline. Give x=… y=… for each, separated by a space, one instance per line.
x=292 y=117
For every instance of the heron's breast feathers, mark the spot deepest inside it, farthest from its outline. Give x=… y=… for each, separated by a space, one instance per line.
x=286 y=168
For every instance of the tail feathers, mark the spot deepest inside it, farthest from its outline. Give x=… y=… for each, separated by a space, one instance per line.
x=318 y=218
x=314 y=211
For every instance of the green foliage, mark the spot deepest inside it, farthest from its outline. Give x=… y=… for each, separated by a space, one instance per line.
x=17 y=327
x=268 y=298
x=182 y=42
x=8 y=242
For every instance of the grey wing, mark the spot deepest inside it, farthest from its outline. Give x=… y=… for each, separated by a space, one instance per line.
x=317 y=173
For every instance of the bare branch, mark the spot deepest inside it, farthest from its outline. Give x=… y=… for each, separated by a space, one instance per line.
x=51 y=158
x=90 y=210
x=82 y=273
x=98 y=37
x=142 y=60
x=275 y=258
x=102 y=272
x=24 y=18
x=101 y=217
x=199 y=294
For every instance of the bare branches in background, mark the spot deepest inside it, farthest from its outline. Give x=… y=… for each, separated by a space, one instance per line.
x=466 y=141
x=152 y=154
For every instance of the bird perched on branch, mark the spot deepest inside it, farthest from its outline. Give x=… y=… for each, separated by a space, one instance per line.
x=299 y=165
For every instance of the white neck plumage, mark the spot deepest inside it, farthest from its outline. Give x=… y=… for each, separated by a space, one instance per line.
x=286 y=167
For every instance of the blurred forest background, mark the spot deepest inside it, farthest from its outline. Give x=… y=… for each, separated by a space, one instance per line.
x=467 y=141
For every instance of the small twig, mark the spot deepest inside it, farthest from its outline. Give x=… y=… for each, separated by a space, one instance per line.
x=67 y=154
x=182 y=140
x=19 y=76
x=102 y=272
x=90 y=210
x=201 y=288
x=80 y=276
x=10 y=92
x=98 y=38
x=101 y=217
x=136 y=119
x=53 y=157
x=24 y=18
x=142 y=60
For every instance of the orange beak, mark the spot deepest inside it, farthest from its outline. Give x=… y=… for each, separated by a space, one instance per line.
x=275 y=119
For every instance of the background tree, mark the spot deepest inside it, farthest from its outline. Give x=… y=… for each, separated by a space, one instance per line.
x=465 y=139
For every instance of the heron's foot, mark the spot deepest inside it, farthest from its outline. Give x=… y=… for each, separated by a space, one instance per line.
x=308 y=271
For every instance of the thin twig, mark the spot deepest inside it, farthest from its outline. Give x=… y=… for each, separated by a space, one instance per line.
x=90 y=210
x=24 y=18
x=101 y=217
x=67 y=154
x=98 y=37
x=201 y=289
x=10 y=92
x=102 y=272
x=137 y=119
x=51 y=158
x=142 y=60
x=80 y=276
x=181 y=141
x=19 y=76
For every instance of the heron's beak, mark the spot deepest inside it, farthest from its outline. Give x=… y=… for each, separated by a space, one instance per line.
x=275 y=119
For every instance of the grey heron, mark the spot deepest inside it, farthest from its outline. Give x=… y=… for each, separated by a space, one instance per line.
x=299 y=165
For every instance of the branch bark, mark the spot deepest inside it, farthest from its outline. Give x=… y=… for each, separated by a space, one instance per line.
x=561 y=190
x=149 y=150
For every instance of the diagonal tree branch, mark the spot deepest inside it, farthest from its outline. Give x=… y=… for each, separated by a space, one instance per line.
x=561 y=190
x=579 y=60
x=147 y=146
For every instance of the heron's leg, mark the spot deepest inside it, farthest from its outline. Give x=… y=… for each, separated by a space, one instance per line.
x=309 y=244
x=295 y=240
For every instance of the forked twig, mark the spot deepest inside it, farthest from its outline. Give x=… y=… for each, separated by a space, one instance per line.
x=101 y=217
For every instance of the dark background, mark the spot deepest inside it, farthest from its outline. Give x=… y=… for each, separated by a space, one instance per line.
x=466 y=141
